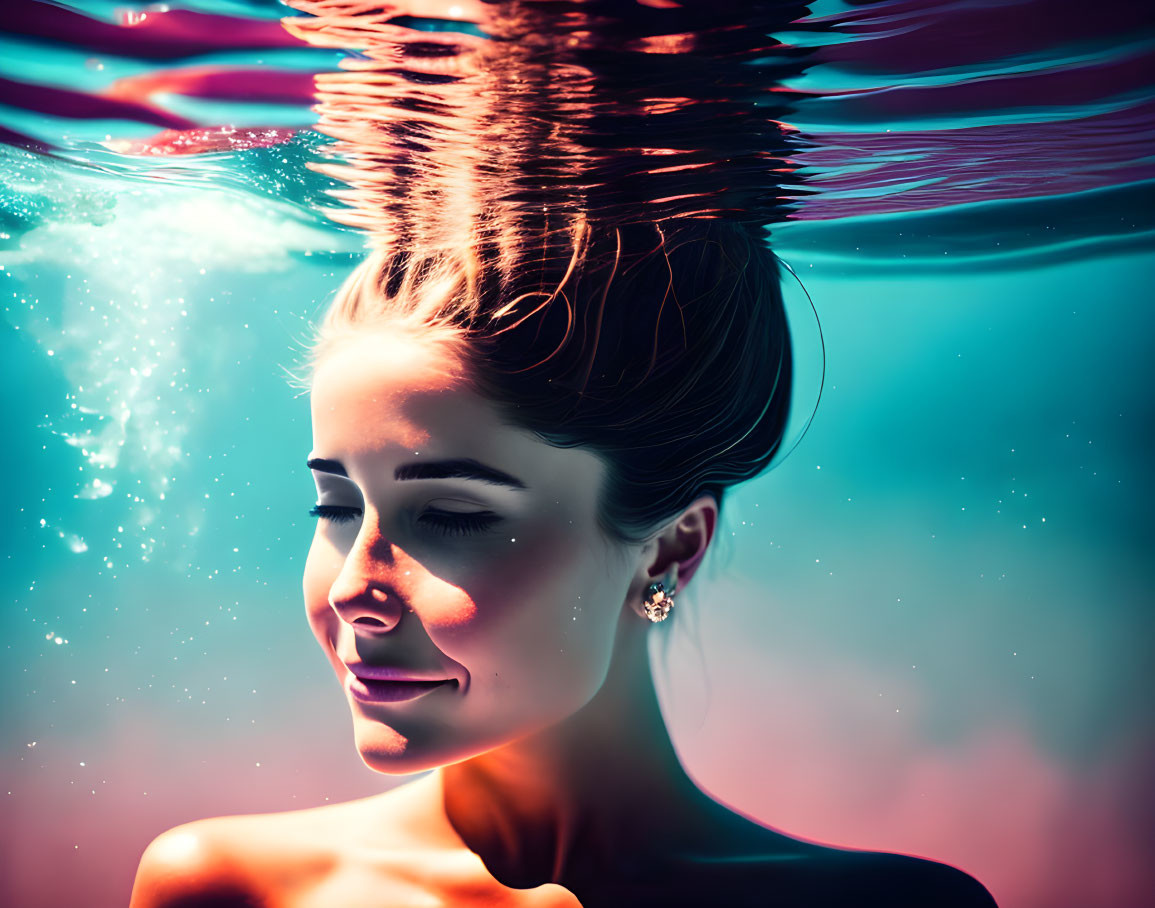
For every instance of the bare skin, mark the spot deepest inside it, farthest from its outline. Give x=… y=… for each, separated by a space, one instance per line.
x=472 y=835
x=555 y=782
x=387 y=850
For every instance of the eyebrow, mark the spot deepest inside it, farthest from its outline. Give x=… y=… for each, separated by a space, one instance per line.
x=457 y=469
x=323 y=465
x=465 y=468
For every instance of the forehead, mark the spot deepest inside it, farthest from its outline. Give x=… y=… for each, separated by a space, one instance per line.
x=384 y=399
x=379 y=388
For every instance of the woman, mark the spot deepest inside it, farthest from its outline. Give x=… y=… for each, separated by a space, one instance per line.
x=528 y=405
x=509 y=504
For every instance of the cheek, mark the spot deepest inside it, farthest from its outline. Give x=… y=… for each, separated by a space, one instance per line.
x=546 y=614
x=527 y=579
x=444 y=608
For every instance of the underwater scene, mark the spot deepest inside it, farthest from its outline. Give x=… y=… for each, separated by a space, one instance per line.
x=927 y=629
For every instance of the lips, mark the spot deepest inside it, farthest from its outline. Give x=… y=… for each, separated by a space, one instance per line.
x=392 y=673
x=388 y=684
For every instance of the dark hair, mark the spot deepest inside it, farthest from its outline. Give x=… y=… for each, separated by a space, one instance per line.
x=663 y=348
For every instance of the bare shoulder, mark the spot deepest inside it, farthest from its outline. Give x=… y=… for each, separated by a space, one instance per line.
x=385 y=851
x=242 y=861
x=768 y=867
x=822 y=876
x=193 y=865
x=902 y=881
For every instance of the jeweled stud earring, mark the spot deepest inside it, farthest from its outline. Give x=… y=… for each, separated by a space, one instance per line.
x=658 y=602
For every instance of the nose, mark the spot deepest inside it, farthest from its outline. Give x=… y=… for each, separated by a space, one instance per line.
x=363 y=594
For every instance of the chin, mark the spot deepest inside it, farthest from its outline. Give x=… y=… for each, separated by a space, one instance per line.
x=386 y=750
x=390 y=765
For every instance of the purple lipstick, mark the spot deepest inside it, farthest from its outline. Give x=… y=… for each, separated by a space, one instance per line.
x=386 y=684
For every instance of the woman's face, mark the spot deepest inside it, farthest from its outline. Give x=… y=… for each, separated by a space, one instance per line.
x=458 y=580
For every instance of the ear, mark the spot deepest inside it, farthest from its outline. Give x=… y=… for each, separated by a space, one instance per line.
x=678 y=549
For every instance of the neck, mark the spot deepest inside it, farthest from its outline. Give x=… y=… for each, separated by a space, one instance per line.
x=599 y=790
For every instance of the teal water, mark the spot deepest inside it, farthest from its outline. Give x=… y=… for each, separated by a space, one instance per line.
x=927 y=630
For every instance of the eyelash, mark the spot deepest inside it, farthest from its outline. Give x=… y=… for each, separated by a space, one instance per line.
x=446 y=523
x=333 y=513
x=443 y=523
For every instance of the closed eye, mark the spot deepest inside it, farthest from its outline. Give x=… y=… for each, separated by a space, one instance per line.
x=334 y=513
x=442 y=523
x=457 y=523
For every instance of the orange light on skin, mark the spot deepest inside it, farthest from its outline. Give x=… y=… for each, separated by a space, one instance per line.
x=179 y=847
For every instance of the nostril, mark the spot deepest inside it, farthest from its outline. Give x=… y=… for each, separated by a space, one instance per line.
x=367 y=607
x=367 y=621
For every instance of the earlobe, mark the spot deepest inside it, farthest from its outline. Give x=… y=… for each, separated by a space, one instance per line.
x=671 y=557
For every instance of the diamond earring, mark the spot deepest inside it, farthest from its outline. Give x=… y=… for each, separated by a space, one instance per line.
x=658 y=602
